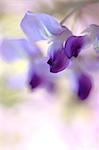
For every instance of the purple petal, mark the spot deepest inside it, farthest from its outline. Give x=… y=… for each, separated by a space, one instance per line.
x=58 y=42
x=39 y=75
x=58 y=62
x=13 y=49
x=39 y=26
x=84 y=86
x=73 y=45
x=35 y=81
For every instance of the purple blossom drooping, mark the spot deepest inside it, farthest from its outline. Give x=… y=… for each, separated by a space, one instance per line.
x=35 y=81
x=84 y=86
x=37 y=73
x=62 y=46
x=73 y=46
x=45 y=27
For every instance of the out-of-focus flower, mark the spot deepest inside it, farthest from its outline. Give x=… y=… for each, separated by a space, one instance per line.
x=63 y=46
x=84 y=85
x=44 y=27
x=93 y=33
x=81 y=83
x=73 y=47
x=14 y=49
x=65 y=50
x=38 y=74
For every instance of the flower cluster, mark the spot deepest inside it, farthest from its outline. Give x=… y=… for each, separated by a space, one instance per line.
x=65 y=51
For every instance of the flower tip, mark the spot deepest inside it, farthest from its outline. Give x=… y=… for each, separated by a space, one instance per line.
x=49 y=62
x=83 y=97
x=53 y=70
x=28 y=11
x=84 y=86
x=35 y=81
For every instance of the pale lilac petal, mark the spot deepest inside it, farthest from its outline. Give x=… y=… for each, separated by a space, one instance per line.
x=92 y=29
x=93 y=34
x=17 y=81
x=39 y=26
x=50 y=86
x=58 y=41
x=90 y=63
x=54 y=47
x=13 y=49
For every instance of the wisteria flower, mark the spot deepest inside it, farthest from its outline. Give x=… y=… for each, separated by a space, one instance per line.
x=81 y=84
x=44 y=27
x=74 y=46
x=38 y=74
x=65 y=51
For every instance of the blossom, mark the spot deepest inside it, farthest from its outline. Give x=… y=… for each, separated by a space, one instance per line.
x=91 y=39
x=62 y=43
x=84 y=85
x=37 y=73
x=81 y=84
x=73 y=47
x=65 y=51
x=40 y=26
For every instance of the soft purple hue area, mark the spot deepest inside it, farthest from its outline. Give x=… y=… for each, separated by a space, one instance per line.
x=50 y=86
x=38 y=80
x=84 y=86
x=52 y=49
x=13 y=49
x=58 y=62
x=92 y=32
x=39 y=26
x=35 y=81
x=58 y=40
x=39 y=75
x=74 y=45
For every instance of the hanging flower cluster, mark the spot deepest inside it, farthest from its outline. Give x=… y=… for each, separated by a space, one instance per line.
x=65 y=51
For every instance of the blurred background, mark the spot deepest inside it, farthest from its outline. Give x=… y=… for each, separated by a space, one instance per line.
x=42 y=120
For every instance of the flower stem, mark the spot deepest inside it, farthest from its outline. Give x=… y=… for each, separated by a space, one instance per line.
x=79 y=5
